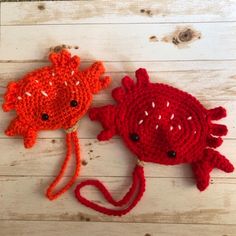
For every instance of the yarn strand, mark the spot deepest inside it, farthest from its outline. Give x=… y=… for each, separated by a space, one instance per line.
x=70 y=138
x=136 y=192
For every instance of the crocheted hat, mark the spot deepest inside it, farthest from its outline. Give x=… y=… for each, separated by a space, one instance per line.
x=159 y=124
x=54 y=97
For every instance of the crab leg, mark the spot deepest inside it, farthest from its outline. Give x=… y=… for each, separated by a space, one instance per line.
x=202 y=169
x=217 y=113
x=218 y=129
x=17 y=127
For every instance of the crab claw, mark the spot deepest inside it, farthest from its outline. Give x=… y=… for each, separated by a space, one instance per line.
x=92 y=76
x=106 y=115
x=202 y=168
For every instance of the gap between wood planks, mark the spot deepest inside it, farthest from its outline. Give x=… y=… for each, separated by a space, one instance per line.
x=116 y=222
x=135 y=23
x=131 y=61
x=82 y=177
x=142 y=229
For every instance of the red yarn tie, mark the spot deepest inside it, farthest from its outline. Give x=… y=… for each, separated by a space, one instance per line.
x=70 y=138
x=135 y=193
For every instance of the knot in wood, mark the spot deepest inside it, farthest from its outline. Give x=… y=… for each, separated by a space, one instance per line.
x=186 y=35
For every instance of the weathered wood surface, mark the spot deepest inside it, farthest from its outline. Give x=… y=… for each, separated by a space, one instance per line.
x=35 y=228
x=166 y=200
x=105 y=11
x=44 y=159
x=188 y=44
x=202 y=79
x=33 y=42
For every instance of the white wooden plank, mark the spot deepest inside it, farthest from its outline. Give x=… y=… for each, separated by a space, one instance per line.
x=35 y=228
x=172 y=200
x=46 y=157
x=105 y=11
x=89 y=129
x=113 y=42
x=206 y=80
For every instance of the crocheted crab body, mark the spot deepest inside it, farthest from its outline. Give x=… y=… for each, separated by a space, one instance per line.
x=162 y=124
x=52 y=97
x=159 y=124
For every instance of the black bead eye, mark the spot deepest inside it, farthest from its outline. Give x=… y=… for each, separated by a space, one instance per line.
x=45 y=116
x=171 y=154
x=134 y=137
x=73 y=103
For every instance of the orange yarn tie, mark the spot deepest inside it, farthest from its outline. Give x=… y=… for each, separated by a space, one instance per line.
x=70 y=138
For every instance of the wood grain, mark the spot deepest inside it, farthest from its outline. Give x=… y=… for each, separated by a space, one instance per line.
x=46 y=157
x=19 y=228
x=186 y=205
x=188 y=44
x=105 y=11
x=32 y=42
x=202 y=79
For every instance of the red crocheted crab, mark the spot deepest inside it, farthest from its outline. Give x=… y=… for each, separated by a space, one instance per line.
x=159 y=124
x=54 y=97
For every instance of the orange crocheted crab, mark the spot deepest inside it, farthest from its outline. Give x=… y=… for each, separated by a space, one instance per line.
x=53 y=97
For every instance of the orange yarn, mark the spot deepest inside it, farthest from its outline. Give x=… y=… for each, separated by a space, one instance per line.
x=53 y=97
x=50 y=193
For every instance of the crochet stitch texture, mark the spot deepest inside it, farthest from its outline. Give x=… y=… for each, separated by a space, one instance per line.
x=159 y=124
x=54 y=97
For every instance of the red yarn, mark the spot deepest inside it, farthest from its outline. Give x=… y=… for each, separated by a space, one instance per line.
x=136 y=191
x=202 y=168
x=164 y=125
x=54 y=97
